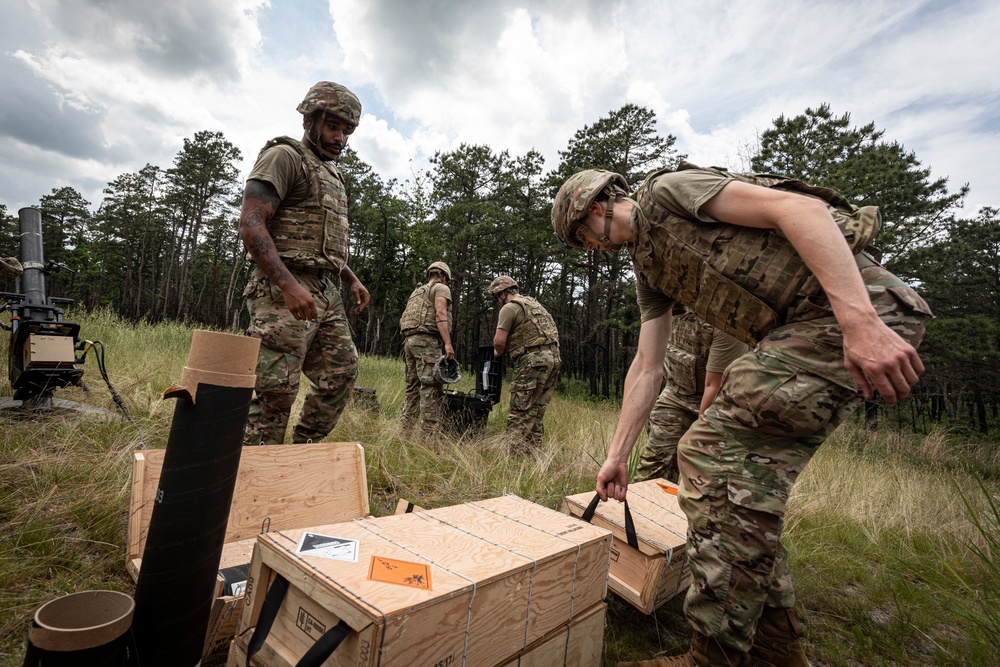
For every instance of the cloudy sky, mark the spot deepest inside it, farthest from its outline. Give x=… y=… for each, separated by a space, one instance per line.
x=95 y=89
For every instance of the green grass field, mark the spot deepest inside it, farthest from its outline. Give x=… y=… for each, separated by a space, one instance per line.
x=892 y=536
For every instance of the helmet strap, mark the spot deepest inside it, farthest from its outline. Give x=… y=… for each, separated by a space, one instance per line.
x=606 y=236
x=316 y=138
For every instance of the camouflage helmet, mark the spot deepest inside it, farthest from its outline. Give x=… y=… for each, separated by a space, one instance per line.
x=335 y=100
x=574 y=198
x=442 y=267
x=501 y=283
x=446 y=371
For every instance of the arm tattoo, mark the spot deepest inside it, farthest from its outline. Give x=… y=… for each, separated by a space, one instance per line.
x=263 y=192
x=260 y=202
x=261 y=247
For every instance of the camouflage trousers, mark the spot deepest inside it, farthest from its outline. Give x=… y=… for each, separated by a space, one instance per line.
x=671 y=417
x=740 y=460
x=423 y=399
x=536 y=374
x=323 y=350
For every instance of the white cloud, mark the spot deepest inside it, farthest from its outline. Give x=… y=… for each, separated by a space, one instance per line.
x=108 y=87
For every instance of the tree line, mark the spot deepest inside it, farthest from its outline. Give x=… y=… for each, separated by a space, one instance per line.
x=163 y=245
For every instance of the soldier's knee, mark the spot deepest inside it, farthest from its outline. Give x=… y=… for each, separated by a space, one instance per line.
x=279 y=398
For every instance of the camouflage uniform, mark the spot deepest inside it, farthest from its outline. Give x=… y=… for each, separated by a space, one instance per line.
x=739 y=462
x=423 y=398
x=311 y=238
x=533 y=346
x=695 y=348
x=776 y=405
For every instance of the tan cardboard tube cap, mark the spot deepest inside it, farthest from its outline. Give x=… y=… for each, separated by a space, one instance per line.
x=217 y=358
x=82 y=620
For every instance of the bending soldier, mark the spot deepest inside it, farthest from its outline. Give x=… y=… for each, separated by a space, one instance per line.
x=527 y=332
x=426 y=327
x=778 y=264
x=294 y=226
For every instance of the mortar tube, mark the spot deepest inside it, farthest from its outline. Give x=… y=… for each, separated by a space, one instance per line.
x=32 y=256
x=187 y=527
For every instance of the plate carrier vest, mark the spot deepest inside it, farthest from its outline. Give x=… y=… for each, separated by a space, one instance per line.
x=687 y=354
x=419 y=315
x=742 y=280
x=314 y=233
x=538 y=328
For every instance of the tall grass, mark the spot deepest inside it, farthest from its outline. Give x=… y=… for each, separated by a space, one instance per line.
x=891 y=564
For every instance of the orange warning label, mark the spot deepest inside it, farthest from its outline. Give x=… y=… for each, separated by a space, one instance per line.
x=401 y=572
x=672 y=490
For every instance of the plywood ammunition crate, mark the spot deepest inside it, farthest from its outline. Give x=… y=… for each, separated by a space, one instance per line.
x=579 y=643
x=278 y=486
x=472 y=584
x=651 y=575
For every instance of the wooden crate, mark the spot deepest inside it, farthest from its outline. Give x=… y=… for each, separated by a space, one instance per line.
x=277 y=486
x=496 y=576
x=579 y=643
x=651 y=575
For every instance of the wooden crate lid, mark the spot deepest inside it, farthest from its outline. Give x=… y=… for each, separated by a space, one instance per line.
x=660 y=525
x=347 y=589
x=458 y=559
x=283 y=486
x=516 y=523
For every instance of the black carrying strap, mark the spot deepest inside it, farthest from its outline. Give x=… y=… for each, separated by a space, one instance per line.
x=317 y=653
x=588 y=514
x=268 y=612
x=325 y=646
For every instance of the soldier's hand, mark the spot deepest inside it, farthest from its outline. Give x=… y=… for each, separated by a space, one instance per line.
x=880 y=360
x=612 y=480
x=299 y=301
x=449 y=351
x=361 y=296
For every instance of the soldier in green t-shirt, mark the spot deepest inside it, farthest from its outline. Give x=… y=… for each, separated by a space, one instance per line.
x=426 y=328
x=294 y=226
x=697 y=355
x=780 y=265
x=527 y=332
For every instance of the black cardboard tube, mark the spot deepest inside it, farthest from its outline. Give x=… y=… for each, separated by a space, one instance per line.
x=187 y=527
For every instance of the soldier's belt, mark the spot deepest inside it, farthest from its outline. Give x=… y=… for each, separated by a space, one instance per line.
x=406 y=333
x=322 y=274
x=539 y=348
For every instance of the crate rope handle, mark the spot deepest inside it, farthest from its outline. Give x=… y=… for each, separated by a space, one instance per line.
x=317 y=653
x=588 y=514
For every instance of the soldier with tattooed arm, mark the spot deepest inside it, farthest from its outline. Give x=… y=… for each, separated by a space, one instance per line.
x=294 y=225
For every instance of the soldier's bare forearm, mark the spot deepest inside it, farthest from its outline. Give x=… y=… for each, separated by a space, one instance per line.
x=264 y=253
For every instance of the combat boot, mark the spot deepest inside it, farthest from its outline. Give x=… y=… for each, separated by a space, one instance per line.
x=704 y=652
x=777 y=639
